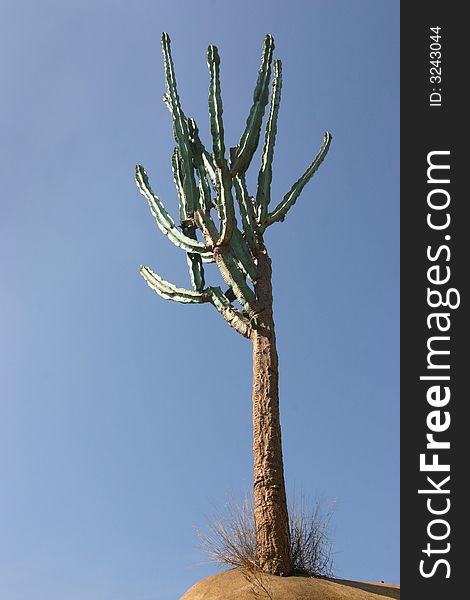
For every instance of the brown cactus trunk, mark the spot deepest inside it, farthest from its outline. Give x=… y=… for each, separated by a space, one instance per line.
x=273 y=550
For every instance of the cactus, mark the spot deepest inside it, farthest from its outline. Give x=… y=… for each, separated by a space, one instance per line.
x=243 y=153
x=235 y=242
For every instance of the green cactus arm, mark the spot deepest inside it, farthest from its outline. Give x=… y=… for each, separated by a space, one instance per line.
x=241 y=252
x=226 y=207
x=233 y=316
x=165 y=221
x=279 y=213
x=169 y=291
x=196 y=270
x=199 y=152
x=207 y=158
x=210 y=168
x=263 y=191
x=205 y=201
x=235 y=279
x=178 y=179
x=250 y=137
x=205 y=223
x=202 y=216
x=223 y=180
x=180 y=131
x=215 y=106
x=239 y=249
x=247 y=211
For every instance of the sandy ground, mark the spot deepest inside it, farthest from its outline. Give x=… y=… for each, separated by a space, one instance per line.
x=236 y=584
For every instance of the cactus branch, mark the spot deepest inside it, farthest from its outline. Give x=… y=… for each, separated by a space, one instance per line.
x=196 y=270
x=263 y=191
x=204 y=221
x=233 y=316
x=235 y=279
x=198 y=151
x=225 y=206
x=176 y=167
x=215 y=106
x=210 y=168
x=246 y=208
x=250 y=137
x=223 y=179
x=169 y=291
x=241 y=251
x=179 y=128
x=279 y=213
x=165 y=221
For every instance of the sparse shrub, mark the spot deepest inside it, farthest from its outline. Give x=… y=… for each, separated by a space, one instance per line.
x=310 y=541
x=231 y=539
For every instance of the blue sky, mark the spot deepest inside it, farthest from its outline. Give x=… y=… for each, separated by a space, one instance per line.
x=125 y=418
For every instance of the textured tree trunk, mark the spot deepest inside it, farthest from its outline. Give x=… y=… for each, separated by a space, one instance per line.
x=273 y=551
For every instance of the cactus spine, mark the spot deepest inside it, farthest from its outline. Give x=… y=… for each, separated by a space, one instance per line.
x=238 y=250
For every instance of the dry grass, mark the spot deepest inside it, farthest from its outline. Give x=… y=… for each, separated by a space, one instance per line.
x=310 y=541
x=261 y=588
x=231 y=539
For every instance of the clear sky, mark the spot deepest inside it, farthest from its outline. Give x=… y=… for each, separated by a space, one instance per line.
x=125 y=418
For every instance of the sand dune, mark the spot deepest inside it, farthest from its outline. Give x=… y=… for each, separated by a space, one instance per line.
x=237 y=584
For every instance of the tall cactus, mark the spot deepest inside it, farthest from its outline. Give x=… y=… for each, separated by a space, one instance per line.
x=207 y=184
